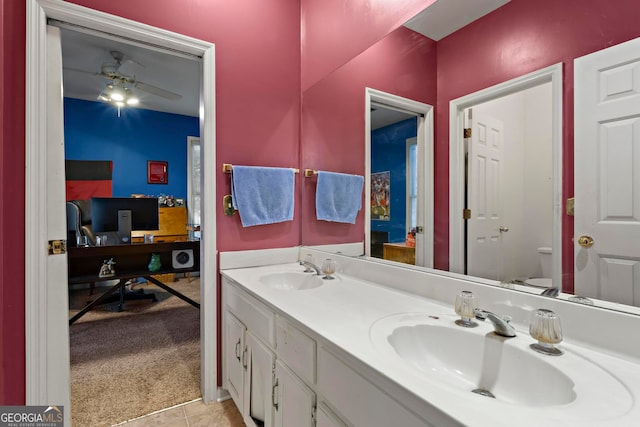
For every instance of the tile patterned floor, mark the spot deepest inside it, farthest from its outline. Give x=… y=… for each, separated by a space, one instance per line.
x=192 y=414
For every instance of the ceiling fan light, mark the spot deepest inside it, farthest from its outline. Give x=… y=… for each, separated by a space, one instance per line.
x=132 y=100
x=119 y=103
x=117 y=96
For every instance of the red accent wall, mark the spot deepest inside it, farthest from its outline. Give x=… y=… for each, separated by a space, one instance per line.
x=518 y=38
x=257 y=122
x=12 y=248
x=333 y=118
x=258 y=87
x=257 y=90
x=334 y=31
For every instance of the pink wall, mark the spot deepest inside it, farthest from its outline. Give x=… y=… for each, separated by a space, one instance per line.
x=12 y=104
x=334 y=31
x=258 y=81
x=257 y=90
x=403 y=63
x=521 y=37
x=257 y=121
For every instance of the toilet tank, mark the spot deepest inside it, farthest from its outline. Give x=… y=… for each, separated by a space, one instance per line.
x=544 y=253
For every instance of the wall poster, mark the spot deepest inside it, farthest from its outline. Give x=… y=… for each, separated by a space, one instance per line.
x=157 y=172
x=380 y=196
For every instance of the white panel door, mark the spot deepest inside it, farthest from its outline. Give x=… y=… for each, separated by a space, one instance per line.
x=607 y=191
x=484 y=197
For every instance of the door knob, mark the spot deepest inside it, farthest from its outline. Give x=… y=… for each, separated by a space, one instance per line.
x=503 y=229
x=586 y=241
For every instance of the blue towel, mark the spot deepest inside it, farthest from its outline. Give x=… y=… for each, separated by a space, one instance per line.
x=263 y=195
x=338 y=196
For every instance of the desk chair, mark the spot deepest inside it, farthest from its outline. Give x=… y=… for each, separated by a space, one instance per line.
x=79 y=220
x=79 y=224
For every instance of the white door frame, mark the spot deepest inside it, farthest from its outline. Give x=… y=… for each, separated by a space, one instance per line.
x=457 y=106
x=424 y=251
x=39 y=369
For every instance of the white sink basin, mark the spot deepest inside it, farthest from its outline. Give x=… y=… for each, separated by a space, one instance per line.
x=291 y=280
x=463 y=360
x=482 y=363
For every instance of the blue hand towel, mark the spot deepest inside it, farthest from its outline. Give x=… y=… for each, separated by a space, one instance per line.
x=338 y=196
x=263 y=195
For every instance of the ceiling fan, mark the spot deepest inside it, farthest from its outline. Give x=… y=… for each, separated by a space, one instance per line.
x=119 y=85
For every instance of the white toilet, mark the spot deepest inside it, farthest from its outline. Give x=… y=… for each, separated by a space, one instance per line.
x=544 y=253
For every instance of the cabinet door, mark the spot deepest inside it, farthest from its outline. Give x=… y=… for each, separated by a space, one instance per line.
x=233 y=352
x=326 y=418
x=258 y=380
x=293 y=400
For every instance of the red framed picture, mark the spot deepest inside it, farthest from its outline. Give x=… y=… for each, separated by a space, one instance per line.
x=157 y=172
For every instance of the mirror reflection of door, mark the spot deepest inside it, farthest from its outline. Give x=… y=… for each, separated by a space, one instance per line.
x=607 y=191
x=486 y=223
x=394 y=186
x=509 y=193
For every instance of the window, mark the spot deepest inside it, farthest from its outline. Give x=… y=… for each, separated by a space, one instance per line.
x=193 y=180
x=412 y=183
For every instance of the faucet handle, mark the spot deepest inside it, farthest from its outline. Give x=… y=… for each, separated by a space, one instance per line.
x=545 y=327
x=466 y=304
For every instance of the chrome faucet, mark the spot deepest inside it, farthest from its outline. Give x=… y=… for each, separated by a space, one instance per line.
x=501 y=325
x=310 y=266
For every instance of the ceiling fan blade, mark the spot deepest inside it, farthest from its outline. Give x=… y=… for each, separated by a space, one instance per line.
x=76 y=70
x=157 y=91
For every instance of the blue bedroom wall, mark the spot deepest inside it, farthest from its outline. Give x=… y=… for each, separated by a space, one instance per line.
x=389 y=153
x=93 y=131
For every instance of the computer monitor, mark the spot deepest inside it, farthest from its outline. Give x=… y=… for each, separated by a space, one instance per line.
x=123 y=214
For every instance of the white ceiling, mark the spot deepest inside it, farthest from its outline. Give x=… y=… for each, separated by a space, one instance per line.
x=163 y=69
x=444 y=17
x=88 y=52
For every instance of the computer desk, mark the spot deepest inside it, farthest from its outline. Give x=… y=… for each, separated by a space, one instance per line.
x=130 y=261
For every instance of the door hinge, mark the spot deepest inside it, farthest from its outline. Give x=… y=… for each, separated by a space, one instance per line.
x=313 y=414
x=571 y=202
x=467 y=132
x=57 y=247
x=466 y=213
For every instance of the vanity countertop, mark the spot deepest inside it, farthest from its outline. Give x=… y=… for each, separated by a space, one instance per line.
x=343 y=311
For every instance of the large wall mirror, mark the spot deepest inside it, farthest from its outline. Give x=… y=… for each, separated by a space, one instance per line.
x=509 y=77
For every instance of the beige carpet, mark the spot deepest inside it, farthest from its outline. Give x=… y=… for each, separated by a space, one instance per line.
x=128 y=364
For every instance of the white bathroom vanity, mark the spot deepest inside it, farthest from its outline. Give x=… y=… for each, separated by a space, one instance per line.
x=378 y=346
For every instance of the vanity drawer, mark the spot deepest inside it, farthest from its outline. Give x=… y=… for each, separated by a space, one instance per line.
x=296 y=349
x=252 y=313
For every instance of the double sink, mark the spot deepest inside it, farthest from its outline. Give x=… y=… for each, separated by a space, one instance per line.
x=478 y=367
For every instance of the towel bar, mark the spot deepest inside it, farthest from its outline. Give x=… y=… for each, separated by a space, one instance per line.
x=310 y=172
x=228 y=167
